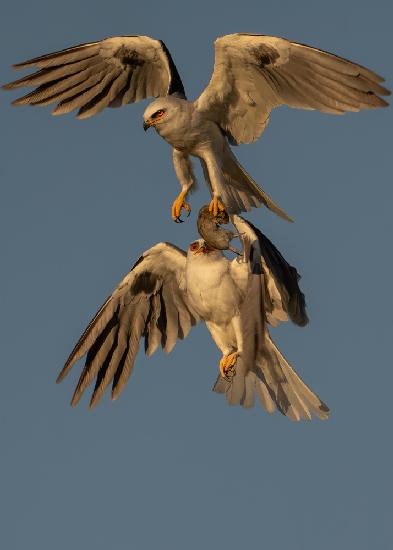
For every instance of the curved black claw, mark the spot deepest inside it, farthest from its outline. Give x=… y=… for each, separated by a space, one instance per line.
x=178 y=220
x=230 y=373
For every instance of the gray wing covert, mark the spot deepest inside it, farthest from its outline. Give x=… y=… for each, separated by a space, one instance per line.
x=107 y=73
x=149 y=302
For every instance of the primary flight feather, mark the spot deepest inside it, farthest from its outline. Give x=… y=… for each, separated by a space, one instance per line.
x=252 y=75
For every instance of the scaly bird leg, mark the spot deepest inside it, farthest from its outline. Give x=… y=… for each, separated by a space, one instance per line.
x=177 y=206
x=216 y=206
x=227 y=365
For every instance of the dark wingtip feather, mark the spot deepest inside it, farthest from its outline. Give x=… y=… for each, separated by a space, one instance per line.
x=54 y=55
x=22 y=65
x=60 y=377
x=29 y=62
x=76 y=397
x=297 y=309
x=94 y=399
x=7 y=86
x=385 y=91
x=384 y=103
x=379 y=101
x=324 y=408
x=17 y=103
x=287 y=275
x=64 y=371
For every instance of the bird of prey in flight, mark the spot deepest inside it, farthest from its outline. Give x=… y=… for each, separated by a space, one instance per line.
x=168 y=291
x=252 y=75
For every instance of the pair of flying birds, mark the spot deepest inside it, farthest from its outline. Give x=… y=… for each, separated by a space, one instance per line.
x=168 y=290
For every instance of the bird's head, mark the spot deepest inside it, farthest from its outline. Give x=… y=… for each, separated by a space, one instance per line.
x=200 y=247
x=161 y=112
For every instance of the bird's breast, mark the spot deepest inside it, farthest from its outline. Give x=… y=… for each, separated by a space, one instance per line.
x=189 y=134
x=212 y=291
x=181 y=139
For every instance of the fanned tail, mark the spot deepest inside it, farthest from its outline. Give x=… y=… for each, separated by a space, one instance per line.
x=276 y=384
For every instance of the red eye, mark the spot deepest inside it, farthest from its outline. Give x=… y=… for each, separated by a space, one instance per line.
x=158 y=114
x=194 y=246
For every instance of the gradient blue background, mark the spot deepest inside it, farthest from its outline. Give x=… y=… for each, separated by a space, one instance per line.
x=169 y=465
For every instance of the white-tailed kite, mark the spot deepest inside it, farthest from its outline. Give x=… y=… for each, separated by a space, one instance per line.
x=167 y=291
x=252 y=75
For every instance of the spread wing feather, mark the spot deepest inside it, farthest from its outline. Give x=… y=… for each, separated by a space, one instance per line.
x=253 y=74
x=150 y=302
x=108 y=73
x=283 y=298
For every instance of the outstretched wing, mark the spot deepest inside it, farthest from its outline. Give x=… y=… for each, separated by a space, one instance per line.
x=283 y=298
x=149 y=302
x=108 y=73
x=255 y=73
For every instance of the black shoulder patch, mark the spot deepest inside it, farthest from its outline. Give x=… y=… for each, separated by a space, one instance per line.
x=129 y=57
x=266 y=56
x=144 y=282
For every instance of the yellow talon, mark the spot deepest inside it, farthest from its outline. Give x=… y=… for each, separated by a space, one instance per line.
x=227 y=365
x=177 y=206
x=216 y=206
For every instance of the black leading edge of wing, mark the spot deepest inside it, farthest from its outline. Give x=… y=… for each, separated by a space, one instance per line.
x=175 y=84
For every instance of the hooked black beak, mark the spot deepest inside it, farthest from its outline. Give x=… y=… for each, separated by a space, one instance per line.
x=146 y=126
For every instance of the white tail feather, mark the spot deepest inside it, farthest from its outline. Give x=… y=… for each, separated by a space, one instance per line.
x=276 y=384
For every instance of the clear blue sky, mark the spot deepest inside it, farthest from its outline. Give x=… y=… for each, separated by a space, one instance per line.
x=169 y=465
